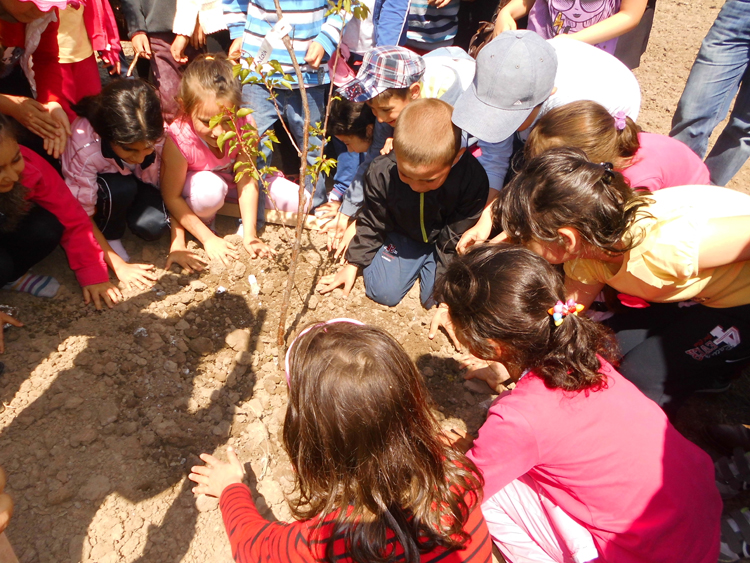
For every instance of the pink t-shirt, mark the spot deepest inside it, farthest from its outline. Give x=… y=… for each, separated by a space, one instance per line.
x=197 y=153
x=664 y=162
x=612 y=461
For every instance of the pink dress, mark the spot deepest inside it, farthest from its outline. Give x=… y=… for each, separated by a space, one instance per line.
x=611 y=460
x=664 y=162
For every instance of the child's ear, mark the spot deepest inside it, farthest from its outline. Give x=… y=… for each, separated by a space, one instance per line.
x=368 y=131
x=571 y=239
x=458 y=156
x=415 y=91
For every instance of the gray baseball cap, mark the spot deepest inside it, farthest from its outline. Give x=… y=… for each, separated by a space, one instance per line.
x=515 y=73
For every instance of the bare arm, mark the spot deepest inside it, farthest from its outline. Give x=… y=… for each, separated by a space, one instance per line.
x=248 y=195
x=582 y=293
x=137 y=275
x=631 y=12
x=725 y=241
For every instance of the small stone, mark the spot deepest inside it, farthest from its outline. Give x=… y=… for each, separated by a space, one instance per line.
x=61 y=495
x=224 y=429
x=428 y=371
x=108 y=413
x=238 y=270
x=182 y=324
x=197 y=285
x=205 y=503
x=96 y=488
x=312 y=303
x=238 y=340
x=243 y=358
x=83 y=437
x=170 y=366
x=110 y=368
x=192 y=332
x=201 y=345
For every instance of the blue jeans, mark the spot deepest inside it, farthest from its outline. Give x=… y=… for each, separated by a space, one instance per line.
x=395 y=268
x=719 y=71
x=255 y=97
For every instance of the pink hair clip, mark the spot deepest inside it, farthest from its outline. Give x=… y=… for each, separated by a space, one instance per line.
x=620 y=121
x=308 y=329
x=562 y=310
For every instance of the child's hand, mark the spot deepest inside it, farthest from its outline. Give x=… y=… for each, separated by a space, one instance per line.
x=336 y=230
x=219 y=249
x=178 y=48
x=387 y=146
x=492 y=373
x=257 y=248
x=141 y=45
x=477 y=234
x=216 y=475
x=138 y=276
x=4 y=318
x=6 y=504
x=315 y=54
x=504 y=22
x=346 y=276
x=442 y=318
x=235 y=50
x=327 y=210
x=102 y=291
x=458 y=439
x=342 y=246
x=186 y=260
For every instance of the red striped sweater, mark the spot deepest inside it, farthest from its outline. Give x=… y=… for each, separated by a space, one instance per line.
x=255 y=539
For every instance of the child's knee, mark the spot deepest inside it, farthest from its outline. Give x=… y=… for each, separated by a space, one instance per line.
x=383 y=293
x=205 y=193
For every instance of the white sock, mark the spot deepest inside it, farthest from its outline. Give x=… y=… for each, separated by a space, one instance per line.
x=35 y=284
x=119 y=249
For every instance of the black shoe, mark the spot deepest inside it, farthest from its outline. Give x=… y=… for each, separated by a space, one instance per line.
x=728 y=437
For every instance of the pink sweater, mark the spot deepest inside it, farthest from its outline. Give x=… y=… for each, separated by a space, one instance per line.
x=612 y=461
x=83 y=160
x=664 y=162
x=48 y=190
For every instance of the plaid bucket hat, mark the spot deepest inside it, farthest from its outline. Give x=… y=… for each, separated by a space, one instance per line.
x=383 y=68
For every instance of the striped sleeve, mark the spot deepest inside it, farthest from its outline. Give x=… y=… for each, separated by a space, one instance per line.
x=330 y=33
x=235 y=15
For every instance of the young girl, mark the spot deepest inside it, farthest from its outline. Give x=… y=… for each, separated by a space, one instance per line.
x=573 y=438
x=375 y=480
x=197 y=175
x=597 y=23
x=111 y=165
x=687 y=243
x=37 y=213
x=646 y=160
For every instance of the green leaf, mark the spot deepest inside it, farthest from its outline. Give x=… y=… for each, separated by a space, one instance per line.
x=236 y=70
x=242 y=112
x=286 y=84
x=215 y=120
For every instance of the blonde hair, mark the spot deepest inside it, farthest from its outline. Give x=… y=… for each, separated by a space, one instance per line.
x=587 y=126
x=425 y=134
x=208 y=74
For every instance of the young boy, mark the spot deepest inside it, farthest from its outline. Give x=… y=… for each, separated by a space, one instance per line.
x=418 y=200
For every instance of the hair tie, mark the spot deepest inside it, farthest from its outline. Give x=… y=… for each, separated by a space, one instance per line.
x=562 y=310
x=608 y=174
x=308 y=329
x=620 y=121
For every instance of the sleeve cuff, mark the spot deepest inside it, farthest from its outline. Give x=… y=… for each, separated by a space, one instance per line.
x=348 y=208
x=90 y=275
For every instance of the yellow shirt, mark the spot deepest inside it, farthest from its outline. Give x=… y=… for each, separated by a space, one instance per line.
x=663 y=268
x=73 y=41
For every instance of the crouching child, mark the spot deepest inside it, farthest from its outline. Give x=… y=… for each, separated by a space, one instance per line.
x=418 y=201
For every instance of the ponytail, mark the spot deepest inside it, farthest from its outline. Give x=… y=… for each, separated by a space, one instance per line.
x=627 y=140
x=499 y=298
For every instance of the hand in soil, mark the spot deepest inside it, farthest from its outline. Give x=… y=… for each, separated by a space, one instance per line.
x=138 y=276
x=186 y=260
x=346 y=276
x=441 y=318
x=256 y=248
x=216 y=475
x=458 y=439
x=4 y=318
x=336 y=230
x=340 y=253
x=6 y=504
x=328 y=210
x=98 y=292
x=220 y=249
x=493 y=373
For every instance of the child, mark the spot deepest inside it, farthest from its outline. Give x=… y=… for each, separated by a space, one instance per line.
x=111 y=166
x=37 y=212
x=596 y=23
x=573 y=438
x=376 y=481
x=418 y=201
x=687 y=243
x=197 y=175
x=520 y=77
x=432 y=24
x=646 y=160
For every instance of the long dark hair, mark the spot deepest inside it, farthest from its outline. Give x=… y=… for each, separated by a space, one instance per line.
x=562 y=188
x=351 y=118
x=365 y=447
x=501 y=295
x=124 y=112
x=13 y=205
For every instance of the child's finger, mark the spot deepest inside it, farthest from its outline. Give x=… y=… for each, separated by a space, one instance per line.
x=233 y=459
x=209 y=459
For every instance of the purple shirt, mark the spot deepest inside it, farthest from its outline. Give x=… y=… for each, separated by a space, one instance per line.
x=550 y=18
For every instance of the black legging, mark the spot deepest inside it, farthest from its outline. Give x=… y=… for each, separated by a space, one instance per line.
x=35 y=238
x=670 y=350
x=126 y=201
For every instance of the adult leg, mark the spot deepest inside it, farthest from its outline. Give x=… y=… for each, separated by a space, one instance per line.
x=34 y=239
x=671 y=351
x=395 y=268
x=714 y=78
x=528 y=528
x=114 y=197
x=147 y=217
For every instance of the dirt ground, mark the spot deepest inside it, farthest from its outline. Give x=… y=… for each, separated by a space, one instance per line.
x=105 y=412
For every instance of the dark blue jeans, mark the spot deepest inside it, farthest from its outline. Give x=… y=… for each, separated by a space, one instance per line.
x=719 y=72
x=395 y=268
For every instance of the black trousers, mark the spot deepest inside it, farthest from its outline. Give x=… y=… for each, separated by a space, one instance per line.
x=35 y=238
x=125 y=201
x=671 y=351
